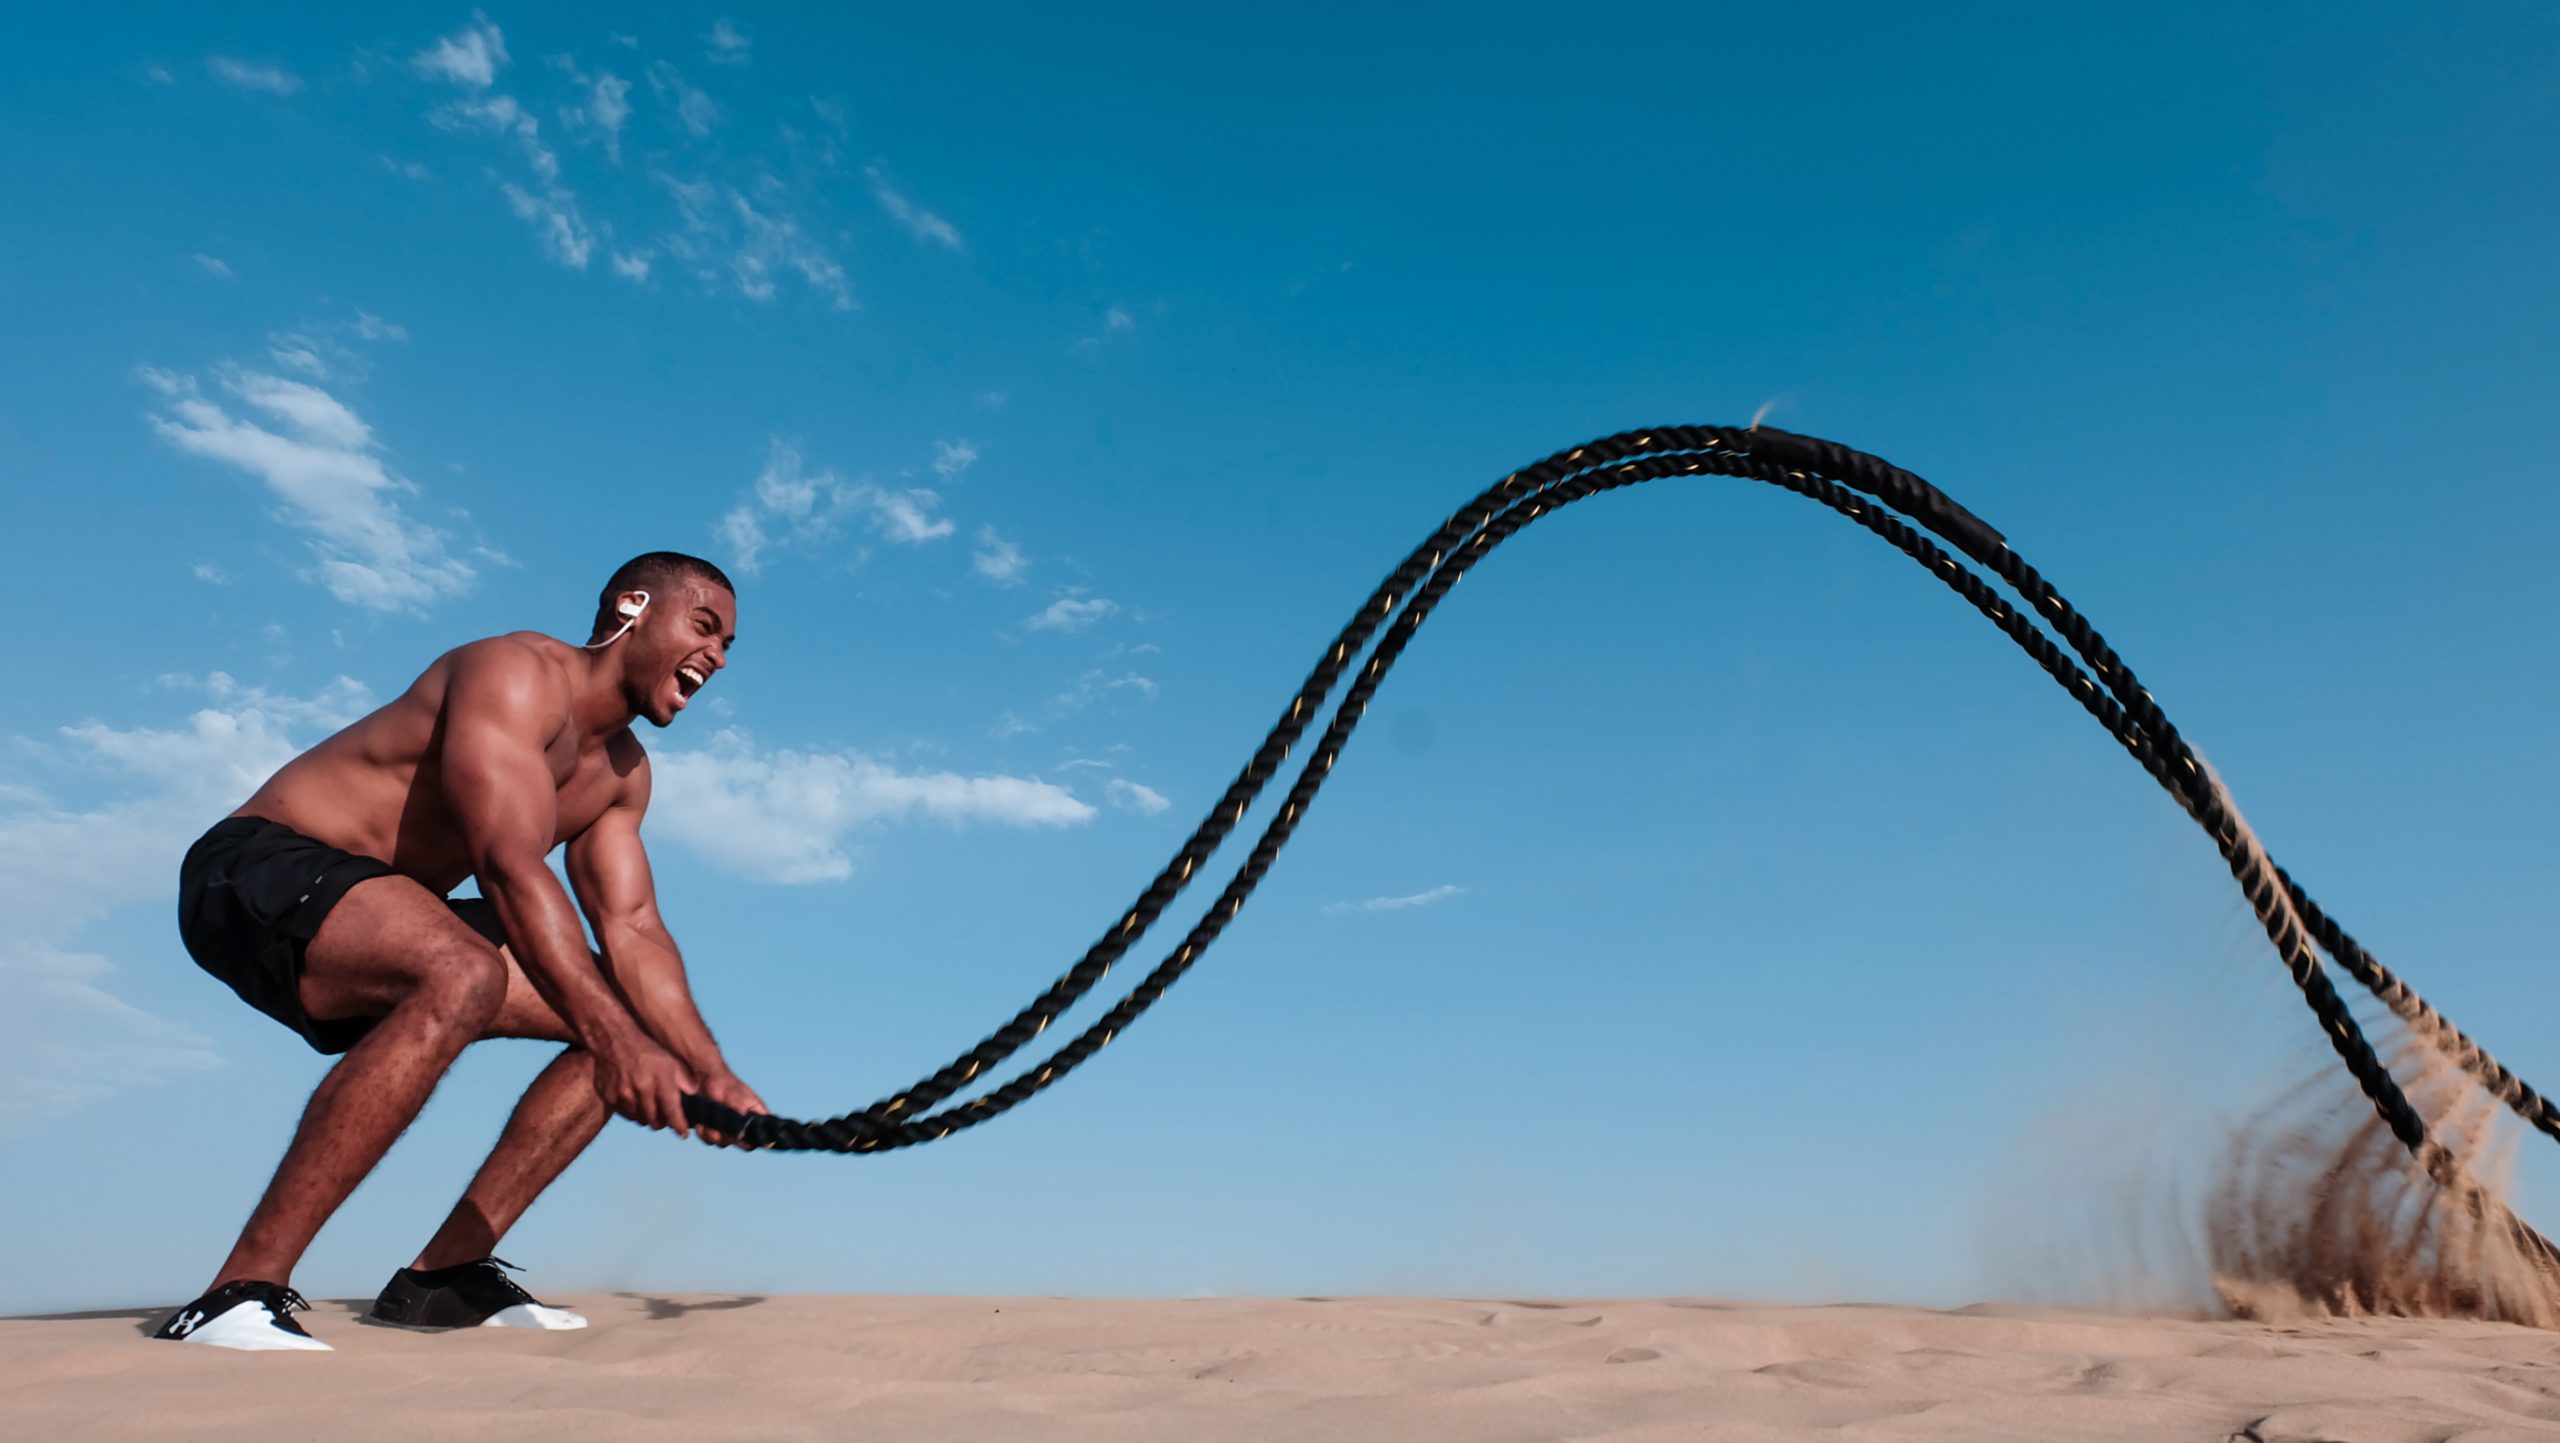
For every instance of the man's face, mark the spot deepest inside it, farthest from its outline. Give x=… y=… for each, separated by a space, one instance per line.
x=680 y=644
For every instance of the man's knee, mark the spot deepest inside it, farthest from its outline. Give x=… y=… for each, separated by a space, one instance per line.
x=465 y=985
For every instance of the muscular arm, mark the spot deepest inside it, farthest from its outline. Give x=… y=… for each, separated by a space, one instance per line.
x=609 y=869
x=502 y=709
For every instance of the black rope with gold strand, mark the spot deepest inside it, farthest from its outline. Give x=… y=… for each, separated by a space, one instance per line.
x=1847 y=481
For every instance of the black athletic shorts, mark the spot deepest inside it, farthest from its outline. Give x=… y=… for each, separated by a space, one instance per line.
x=252 y=894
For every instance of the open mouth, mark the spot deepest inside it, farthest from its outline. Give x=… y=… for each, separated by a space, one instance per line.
x=688 y=681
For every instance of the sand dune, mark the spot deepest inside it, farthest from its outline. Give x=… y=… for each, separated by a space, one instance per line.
x=1341 y=1370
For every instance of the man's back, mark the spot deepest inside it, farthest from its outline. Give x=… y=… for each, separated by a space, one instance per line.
x=377 y=787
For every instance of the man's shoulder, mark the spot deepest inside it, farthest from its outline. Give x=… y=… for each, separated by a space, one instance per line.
x=527 y=645
x=527 y=654
x=521 y=670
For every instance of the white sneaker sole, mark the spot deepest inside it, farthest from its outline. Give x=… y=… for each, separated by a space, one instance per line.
x=535 y=1315
x=250 y=1328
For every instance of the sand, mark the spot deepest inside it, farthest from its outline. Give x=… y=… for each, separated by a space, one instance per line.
x=1334 y=1369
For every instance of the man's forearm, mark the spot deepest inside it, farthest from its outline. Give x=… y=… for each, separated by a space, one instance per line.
x=542 y=930
x=649 y=974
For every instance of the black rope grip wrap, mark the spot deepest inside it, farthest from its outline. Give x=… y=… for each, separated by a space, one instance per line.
x=1848 y=482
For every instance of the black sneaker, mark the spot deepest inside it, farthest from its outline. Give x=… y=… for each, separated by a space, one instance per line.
x=466 y=1295
x=251 y=1316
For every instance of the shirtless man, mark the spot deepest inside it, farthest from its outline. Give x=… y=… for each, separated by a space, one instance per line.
x=322 y=903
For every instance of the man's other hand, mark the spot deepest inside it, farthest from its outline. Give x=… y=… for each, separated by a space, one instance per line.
x=643 y=1081
x=725 y=1088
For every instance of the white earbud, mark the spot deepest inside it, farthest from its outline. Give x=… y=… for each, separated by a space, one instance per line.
x=629 y=611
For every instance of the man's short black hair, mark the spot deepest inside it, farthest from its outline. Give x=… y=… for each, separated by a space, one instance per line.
x=653 y=572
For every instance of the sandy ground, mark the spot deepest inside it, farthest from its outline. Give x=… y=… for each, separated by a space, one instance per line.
x=1341 y=1370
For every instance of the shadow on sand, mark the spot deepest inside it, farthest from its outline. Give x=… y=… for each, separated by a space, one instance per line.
x=663 y=1310
x=146 y=1321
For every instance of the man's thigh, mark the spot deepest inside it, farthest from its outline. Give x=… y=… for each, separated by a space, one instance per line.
x=388 y=936
x=525 y=1012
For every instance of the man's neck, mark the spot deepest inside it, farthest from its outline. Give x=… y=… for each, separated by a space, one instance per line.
x=596 y=705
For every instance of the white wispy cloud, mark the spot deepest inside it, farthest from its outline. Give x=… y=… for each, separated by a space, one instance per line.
x=210 y=574
x=602 y=106
x=744 y=535
x=697 y=203
x=725 y=45
x=790 y=505
x=774 y=241
x=1131 y=796
x=923 y=224
x=608 y=106
x=782 y=505
x=296 y=353
x=726 y=239
x=1394 y=904
x=997 y=559
x=308 y=410
x=1094 y=684
x=322 y=462
x=786 y=816
x=695 y=110
x=320 y=349
x=252 y=75
x=501 y=115
x=951 y=458
x=754 y=224
x=1091 y=686
x=1116 y=321
x=66 y=1040
x=214 y=266
x=1072 y=612
x=904 y=516
x=469 y=57
x=554 y=216
x=342 y=701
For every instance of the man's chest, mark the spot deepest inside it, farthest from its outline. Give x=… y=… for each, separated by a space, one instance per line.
x=587 y=784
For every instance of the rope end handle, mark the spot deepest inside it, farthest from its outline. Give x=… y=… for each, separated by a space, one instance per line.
x=750 y=1129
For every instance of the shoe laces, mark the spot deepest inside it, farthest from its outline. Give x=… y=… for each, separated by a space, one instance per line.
x=497 y=1269
x=280 y=1300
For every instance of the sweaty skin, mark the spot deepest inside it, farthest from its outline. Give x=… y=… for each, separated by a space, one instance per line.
x=504 y=749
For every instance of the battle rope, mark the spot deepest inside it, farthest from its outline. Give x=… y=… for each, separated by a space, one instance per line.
x=1846 y=481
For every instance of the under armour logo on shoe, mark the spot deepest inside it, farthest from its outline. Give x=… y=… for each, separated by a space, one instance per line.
x=184 y=1323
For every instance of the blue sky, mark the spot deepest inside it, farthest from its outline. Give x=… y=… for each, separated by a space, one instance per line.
x=1711 y=903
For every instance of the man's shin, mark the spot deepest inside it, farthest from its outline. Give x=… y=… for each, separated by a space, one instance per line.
x=558 y=1117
